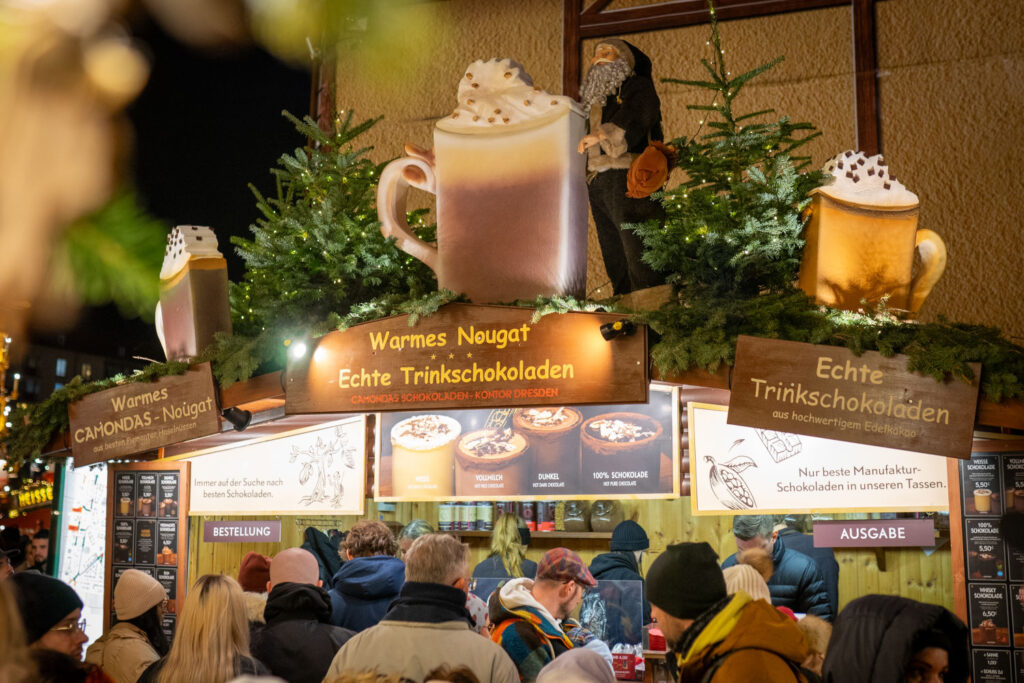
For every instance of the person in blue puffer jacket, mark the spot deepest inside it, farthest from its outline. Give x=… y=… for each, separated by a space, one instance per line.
x=796 y=581
x=369 y=580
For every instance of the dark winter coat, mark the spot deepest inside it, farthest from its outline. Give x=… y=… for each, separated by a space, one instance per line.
x=325 y=550
x=796 y=582
x=620 y=566
x=636 y=108
x=872 y=640
x=363 y=589
x=493 y=568
x=756 y=644
x=298 y=642
x=823 y=557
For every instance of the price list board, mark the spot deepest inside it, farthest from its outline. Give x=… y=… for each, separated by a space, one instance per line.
x=992 y=484
x=147 y=508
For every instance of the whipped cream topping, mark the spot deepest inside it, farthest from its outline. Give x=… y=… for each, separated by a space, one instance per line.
x=547 y=417
x=425 y=432
x=865 y=180
x=619 y=431
x=498 y=93
x=184 y=243
x=492 y=443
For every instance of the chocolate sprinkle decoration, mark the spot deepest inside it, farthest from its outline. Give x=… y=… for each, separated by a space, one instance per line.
x=476 y=85
x=849 y=174
x=887 y=186
x=848 y=154
x=469 y=76
x=871 y=171
x=526 y=102
x=508 y=74
x=490 y=119
x=840 y=164
x=856 y=178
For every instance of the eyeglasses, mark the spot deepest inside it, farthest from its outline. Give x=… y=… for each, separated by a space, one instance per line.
x=71 y=628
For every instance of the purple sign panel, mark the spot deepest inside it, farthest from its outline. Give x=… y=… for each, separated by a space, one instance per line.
x=874 y=533
x=256 y=531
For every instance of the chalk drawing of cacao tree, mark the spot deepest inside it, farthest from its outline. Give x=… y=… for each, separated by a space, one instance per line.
x=316 y=464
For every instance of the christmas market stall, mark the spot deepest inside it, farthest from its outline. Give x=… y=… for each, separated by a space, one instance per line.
x=747 y=327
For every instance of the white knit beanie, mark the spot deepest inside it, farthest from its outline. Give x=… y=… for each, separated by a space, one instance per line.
x=135 y=593
x=743 y=577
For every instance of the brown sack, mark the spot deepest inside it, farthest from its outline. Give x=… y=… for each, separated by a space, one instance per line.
x=649 y=171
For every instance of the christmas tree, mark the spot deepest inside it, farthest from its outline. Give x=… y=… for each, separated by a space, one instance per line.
x=318 y=248
x=731 y=242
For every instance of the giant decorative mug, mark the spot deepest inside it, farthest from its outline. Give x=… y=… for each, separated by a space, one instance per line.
x=862 y=238
x=511 y=190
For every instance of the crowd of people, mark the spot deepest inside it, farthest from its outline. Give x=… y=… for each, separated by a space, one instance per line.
x=403 y=610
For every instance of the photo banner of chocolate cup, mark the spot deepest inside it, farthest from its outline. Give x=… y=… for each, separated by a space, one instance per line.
x=423 y=456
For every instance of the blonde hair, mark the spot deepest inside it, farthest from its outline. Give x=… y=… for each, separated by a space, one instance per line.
x=212 y=633
x=15 y=665
x=506 y=543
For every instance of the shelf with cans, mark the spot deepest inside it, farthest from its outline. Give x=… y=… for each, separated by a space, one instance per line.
x=552 y=519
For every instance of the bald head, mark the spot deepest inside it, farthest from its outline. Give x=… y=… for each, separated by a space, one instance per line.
x=294 y=565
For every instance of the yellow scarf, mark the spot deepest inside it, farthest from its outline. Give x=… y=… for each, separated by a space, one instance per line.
x=717 y=629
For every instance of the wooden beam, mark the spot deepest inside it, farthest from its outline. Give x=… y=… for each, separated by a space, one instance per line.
x=597 y=6
x=571 y=49
x=687 y=13
x=255 y=389
x=956 y=538
x=865 y=67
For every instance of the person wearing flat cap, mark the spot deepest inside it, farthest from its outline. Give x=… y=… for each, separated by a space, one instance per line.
x=530 y=617
x=629 y=542
x=715 y=637
x=136 y=640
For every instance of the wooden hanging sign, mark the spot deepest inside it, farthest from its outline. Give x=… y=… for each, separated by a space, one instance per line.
x=143 y=416
x=467 y=356
x=829 y=392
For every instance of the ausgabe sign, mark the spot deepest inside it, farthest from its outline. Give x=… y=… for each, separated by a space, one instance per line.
x=138 y=417
x=467 y=356
x=829 y=392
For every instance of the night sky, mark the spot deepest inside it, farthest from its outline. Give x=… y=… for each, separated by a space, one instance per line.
x=206 y=125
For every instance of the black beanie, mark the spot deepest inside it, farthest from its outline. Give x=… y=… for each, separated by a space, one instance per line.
x=685 y=580
x=43 y=602
x=629 y=535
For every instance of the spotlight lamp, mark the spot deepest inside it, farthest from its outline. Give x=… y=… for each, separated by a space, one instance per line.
x=238 y=418
x=619 y=328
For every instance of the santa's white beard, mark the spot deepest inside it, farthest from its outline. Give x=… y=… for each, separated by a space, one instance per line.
x=603 y=80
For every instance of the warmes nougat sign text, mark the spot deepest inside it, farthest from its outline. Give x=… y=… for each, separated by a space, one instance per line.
x=141 y=416
x=829 y=392
x=467 y=356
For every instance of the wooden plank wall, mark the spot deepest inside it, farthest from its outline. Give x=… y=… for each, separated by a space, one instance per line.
x=909 y=572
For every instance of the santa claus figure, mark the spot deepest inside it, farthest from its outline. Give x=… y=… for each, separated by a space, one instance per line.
x=625 y=115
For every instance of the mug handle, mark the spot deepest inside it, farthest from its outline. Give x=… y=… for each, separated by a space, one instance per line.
x=416 y=170
x=933 y=263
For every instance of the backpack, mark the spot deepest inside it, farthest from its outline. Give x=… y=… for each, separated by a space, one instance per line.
x=800 y=672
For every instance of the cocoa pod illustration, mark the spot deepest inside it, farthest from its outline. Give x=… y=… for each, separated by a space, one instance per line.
x=727 y=484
